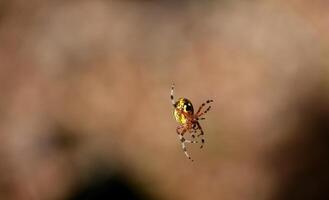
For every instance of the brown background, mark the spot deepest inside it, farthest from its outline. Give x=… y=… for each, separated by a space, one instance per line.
x=85 y=91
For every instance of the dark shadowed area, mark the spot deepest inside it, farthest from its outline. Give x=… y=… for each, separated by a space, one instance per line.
x=85 y=110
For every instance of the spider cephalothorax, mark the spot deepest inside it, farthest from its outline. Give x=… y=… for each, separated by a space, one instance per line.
x=188 y=120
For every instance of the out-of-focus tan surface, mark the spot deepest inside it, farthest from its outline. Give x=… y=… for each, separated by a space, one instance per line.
x=87 y=83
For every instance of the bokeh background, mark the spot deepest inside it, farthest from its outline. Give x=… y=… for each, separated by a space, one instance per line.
x=85 y=110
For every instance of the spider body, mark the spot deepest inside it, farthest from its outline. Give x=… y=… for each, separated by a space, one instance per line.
x=184 y=109
x=188 y=120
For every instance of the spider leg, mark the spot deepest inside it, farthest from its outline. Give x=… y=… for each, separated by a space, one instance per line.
x=172 y=95
x=202 y=105
x=201 y=134
x=183 y=140
x=192 y=132
x=186 y=140
x=202 y=113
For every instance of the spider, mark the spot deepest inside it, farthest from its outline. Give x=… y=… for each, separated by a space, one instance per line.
x=188 y=120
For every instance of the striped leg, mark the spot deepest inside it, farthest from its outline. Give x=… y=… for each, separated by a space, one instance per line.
x=201 y=134
x=193 y=132
x=202 y=118
x=183 y=140
x=202 y=105
x=172 y=95
x=183 y=132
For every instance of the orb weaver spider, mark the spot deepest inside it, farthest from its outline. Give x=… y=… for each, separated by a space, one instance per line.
x=188 y=120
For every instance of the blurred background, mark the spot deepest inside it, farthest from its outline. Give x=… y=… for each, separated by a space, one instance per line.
x=85 y=109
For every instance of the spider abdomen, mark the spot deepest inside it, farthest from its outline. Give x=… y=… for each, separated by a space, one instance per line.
x=183 y=109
